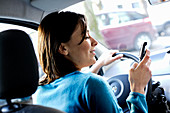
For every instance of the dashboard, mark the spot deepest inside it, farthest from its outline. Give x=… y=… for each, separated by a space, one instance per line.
x=117 y=74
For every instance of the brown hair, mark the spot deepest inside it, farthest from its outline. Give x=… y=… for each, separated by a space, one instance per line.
x=54 y=29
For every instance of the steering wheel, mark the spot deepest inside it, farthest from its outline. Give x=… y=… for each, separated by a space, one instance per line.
x=120 y=84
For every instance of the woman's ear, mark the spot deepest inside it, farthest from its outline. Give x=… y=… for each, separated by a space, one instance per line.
x=62 y=49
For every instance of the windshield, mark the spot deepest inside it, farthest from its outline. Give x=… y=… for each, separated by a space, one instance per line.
x=125 y=25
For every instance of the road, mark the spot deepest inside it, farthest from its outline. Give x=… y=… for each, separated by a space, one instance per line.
x=161 y=42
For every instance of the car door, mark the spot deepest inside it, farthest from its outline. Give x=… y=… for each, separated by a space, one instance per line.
x=118 y=34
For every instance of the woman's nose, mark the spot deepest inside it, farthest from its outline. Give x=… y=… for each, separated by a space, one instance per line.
x=93 y=41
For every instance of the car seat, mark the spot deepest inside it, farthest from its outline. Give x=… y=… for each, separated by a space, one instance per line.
x=18 y=72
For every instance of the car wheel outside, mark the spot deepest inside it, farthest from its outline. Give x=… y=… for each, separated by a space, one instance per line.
x=167 y=29
x=140 y=39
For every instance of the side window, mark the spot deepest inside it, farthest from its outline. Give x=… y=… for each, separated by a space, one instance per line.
x=123 y=17
x=103 y=20
x=114 y=19
x=107 y=19
x=135 y=5
x=136 y=16
x=100 y=20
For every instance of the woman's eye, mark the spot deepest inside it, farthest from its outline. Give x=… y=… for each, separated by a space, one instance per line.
x=87 y=37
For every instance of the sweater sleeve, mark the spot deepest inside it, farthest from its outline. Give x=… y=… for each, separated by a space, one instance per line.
x=137 y=103
x=100 y=97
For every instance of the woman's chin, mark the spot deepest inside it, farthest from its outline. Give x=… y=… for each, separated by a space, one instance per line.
x=94 y=61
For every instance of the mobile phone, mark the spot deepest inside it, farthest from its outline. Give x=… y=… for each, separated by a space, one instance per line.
x=143 y=51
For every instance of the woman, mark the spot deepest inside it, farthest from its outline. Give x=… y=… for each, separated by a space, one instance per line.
x=65 y=47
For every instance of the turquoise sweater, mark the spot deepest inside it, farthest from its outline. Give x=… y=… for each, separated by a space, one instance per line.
x=80 y=92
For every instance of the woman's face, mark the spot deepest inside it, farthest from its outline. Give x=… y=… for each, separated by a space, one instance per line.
x=83 y=54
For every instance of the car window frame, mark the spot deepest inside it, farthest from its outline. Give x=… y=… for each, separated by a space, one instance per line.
x=28 y=24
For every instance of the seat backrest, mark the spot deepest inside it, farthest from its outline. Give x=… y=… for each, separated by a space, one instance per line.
x=18 y=65
x=18 y=69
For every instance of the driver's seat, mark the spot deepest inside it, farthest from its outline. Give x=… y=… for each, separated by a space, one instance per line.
x=18 y=72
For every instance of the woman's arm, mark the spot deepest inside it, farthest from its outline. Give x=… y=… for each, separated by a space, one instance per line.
x=105 y=59
x=137 y=103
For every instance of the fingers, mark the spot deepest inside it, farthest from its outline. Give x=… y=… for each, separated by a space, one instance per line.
x=140 y=74
x=134 y=65
x=146 y=60
x=148 y=63
x=118 y=56
x=112 y=59
x=113 y=51
x=106 y=58
x=110 y=54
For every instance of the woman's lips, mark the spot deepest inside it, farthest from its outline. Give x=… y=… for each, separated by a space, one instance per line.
x=93 y=52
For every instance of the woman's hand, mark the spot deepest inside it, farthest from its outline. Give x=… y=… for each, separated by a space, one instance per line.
x=140 y=74
x=105 y=59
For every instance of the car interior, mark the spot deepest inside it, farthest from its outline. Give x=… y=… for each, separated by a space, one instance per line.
x=19 y=72
x=20 y=69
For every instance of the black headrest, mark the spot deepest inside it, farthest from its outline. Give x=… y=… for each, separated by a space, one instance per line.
x=18 y=65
